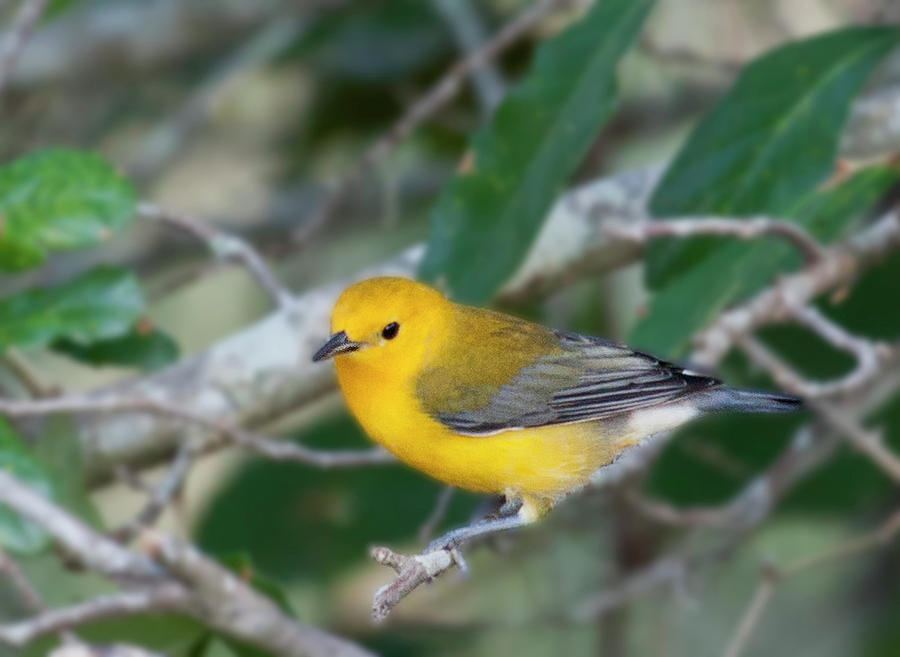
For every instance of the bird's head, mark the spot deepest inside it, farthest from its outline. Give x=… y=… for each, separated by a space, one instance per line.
x=385 y=322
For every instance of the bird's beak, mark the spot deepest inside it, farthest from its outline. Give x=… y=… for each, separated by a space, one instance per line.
x=338 y=343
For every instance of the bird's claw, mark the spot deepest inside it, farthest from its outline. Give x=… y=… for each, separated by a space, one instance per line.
x=449 y=543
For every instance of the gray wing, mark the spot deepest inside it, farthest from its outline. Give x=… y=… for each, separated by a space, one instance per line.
x=589 y=379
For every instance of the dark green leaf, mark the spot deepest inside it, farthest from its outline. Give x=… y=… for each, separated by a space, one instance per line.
x=486 y=220
x=16 y=533
x=771 y=140
x=736 y=270
x=100 y=304
x=57 y=200
x=144 y=348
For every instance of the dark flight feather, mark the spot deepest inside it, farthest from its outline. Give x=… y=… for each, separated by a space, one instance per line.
x=584 y=378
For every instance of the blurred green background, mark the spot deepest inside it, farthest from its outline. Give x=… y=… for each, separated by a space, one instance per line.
x=247 y=113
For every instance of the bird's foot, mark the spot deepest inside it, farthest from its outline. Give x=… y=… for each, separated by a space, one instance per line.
x=455 y=538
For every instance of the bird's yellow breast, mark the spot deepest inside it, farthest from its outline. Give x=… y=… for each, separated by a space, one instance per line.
x=541 y=464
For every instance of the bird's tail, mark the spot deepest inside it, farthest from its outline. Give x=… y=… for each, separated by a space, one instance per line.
x=746 y=401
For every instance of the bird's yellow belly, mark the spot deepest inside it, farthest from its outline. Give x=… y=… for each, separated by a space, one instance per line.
x=541 y=464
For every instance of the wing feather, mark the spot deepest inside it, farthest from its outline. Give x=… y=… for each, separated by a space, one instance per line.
x=585 y=379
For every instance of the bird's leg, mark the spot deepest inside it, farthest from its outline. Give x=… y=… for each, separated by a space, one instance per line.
x=508 y=517
x=512 y=504
x=456 y=537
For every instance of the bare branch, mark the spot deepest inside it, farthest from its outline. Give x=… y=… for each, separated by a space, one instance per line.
x=24 y=371
x=275 y=450
x=468 y=30
x=441 y=93
x=666 y=571
x=20 y=582
x=231 y=606
x=749 y=508
x=163 y=142
x=225 y=246
x=204 y=590
x=751 y=617
x=165 y=597
x=868 y=354
x=866 y=441
x=90 y=548
x=745 y=229
x=437 y=514
x=162 y=494
x=841 y=265
x=772 y=576
x=412 y=572
x=22 y=26
x=81 y=649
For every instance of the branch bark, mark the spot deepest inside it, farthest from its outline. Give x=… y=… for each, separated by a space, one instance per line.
x=175 y=576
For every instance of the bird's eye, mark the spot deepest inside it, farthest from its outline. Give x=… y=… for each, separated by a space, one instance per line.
x=389 y=332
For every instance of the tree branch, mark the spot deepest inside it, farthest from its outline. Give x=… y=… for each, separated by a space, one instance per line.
x=161 y=495
x=744 y=229
x=165 y=597
x=267 y=447
x=772 y=576
x=437 y=96
x=778 y=303
x=234 y=608
x=179 y=578
x=89 y=548
x=22 y=26
x=224 y=246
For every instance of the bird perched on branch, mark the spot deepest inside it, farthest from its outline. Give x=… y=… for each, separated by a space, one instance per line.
x=492 y=403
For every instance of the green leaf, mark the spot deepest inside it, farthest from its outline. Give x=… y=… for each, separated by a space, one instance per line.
x=99 y=304
x=486 y=220
x=772 y=139
x=17 y=533
x=146 y=348
x=736 y=270
x=57 y=200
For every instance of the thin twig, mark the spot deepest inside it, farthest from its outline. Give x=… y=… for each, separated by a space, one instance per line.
x=868 y=442
x=426 y=531
x=237 y=609
x=745 y=229
x=166 y=597
x=438 y=95
x=868 y=354
x=840 y=265
x=24 y=371
x=162 y=494
x=225 y=246
x=162 y=142
x=22 y=26
x=271 y=449
x=412 y=571
x=666 y=571
x=772 y=576
x=468 y=30
x=20 y=582
x=93 y=550
x=81 y=649
x=751 y=617
x=205 y=589
x=29 y=595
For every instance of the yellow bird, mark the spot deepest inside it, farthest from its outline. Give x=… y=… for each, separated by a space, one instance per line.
x=495 y=404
